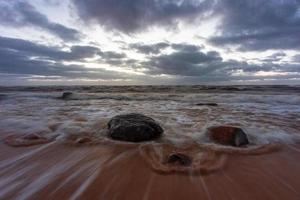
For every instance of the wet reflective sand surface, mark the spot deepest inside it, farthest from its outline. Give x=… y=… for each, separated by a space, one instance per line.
x=57 y=149
x=57 y=171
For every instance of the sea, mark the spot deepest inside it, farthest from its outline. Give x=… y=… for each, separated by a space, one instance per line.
x=267 y=113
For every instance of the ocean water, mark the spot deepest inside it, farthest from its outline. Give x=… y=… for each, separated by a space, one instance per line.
x=266 y=113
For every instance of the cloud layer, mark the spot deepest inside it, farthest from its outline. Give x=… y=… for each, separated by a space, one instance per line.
x=136 y=15
x=20 y=14
x=27 y=58
x=259 y=24
x=197 y=41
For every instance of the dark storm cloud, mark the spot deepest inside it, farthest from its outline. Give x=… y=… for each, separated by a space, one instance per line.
x=12 y=62
x=55 y=54
x=112 y=58
x=186 y=62
x=156 y=48
x=296 y=58
x=209 y=66
x=20 y=13
x=52 y=53
x=27 y=58
x=132 y=15
x=289 y=67
x=186 y=47
x=259 y=24
x=111 y=55
x=274 y=57
x=254 y=25
x=149 y=48
x=24 y=57
x=16 y=63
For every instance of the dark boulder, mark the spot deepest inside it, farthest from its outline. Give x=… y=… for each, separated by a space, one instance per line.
x=206 y=104
x=2 y=97
x=133 y=127
x=66 y=95
x=228 y=135
x=179 y=159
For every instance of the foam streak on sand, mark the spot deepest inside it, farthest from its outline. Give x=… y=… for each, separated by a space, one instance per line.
x=9 y=183
x=85 y=184
x=39 y=183
x=54 y=148
x=109 y=172
x=5 y=164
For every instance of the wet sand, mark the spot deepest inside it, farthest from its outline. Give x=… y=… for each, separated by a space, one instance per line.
x=132 y=171
x=58 y=149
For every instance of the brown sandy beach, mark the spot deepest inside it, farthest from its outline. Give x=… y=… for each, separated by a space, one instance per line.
x=53 y=148
x=120 y=171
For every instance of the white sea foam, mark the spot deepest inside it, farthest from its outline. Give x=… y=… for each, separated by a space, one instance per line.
x=264 y=116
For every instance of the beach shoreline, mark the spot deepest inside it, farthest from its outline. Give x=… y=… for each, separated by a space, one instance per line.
x=60 y=148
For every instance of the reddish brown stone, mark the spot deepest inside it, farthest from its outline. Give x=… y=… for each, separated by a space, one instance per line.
x=228 y=135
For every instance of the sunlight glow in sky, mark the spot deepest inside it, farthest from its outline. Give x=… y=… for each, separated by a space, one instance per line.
x=123 y=42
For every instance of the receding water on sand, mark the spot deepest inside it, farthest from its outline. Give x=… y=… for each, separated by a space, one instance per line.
x=58 y=148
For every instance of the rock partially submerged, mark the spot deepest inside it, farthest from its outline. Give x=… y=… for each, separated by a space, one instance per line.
x=228 y=135
x=179 y=159
x=67 y=95
x=2 y=97
x=206 y=104
x=133 y=127
x=189 y=159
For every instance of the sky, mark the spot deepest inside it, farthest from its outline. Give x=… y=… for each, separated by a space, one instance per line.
x=149 y=42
